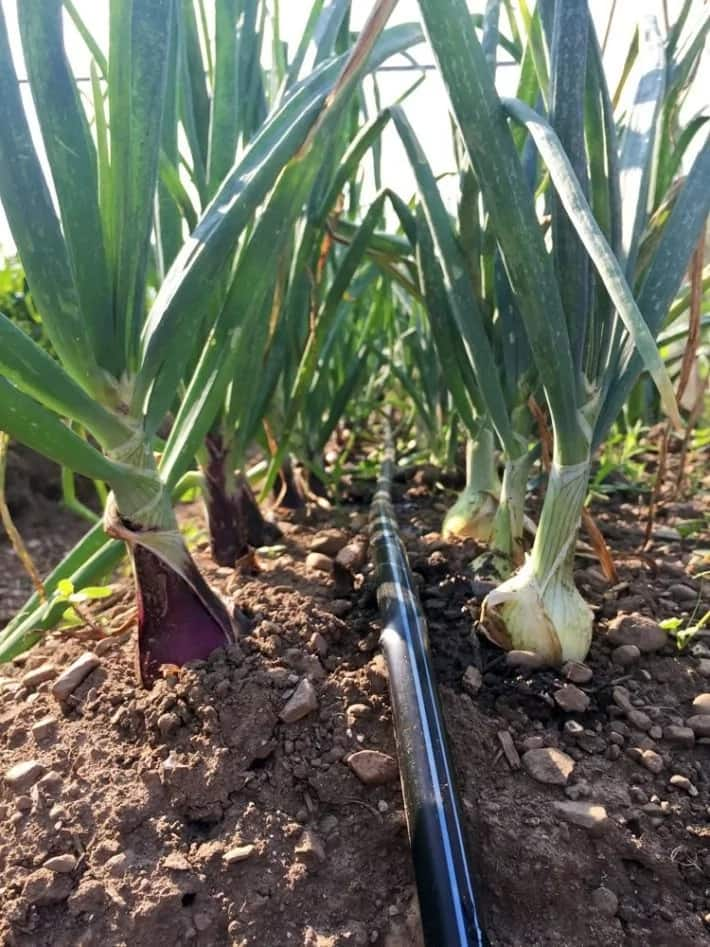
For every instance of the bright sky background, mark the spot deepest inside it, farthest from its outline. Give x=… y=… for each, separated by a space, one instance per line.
x=426 y=107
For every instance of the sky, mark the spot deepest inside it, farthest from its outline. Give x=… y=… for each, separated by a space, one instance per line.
x=426 y=107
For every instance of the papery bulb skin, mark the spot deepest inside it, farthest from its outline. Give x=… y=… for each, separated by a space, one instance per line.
x=471 y=516
x=539 y=608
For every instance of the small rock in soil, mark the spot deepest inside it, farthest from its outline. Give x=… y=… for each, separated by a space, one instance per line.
x=525 y=659
x=649 y=758
x=238 y=853
x=682 y=782
x=548 y=765
x=701 y=704
x=682 y=736
x=329 y=543
x=511 y=754
x=340 y=607
x=44 y=887
x=318 y=562
x=638 y=630
x=44 y=728
x=372 y=767
x=117 y=865
x=472 y=680
x=682 y=593
x=61 y=864
x=88 y=897
x=571 y=699
x=353 y=556
x=310 y=845
x=302 y=702
x=605 y=901
x=168 y=724
x=625 y=655
x=622 y=699
x=23 y=803
x=699 y=724
x=22 y=776
x=37 y=676
x=704 y=667
x=174 y=861
x=576 y=672
x=587 y=815
x=532 y=742
x=69 y=680
x=640 y=720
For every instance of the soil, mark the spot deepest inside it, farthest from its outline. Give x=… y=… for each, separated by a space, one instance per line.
x=195 y=814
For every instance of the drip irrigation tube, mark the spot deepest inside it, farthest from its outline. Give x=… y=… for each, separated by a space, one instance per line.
x=450 y=915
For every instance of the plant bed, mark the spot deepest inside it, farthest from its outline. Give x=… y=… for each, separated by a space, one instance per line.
x=193 y=812
x=614 y=851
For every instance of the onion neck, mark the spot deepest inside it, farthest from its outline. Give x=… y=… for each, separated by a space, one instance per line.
x=507 y=541
x=559 y=521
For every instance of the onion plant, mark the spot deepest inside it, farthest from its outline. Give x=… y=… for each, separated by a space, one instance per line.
x=592 y=306
x=125 y=366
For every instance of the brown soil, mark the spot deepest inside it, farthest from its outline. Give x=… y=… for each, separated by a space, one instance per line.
x=149 y=791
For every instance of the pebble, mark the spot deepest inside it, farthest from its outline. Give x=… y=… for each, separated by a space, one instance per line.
x=548 y=765
x=682 y=736
x=532 y=742
x=117 y=864
x=701 y=704
x=309 y=844
x=372 y=767
x=356 y=712
x=22 y=776
x=511 y=754
x=699 y=724
x=37 y=676
x=329 y=543
x=576 y=672
x=656 y=732
x=353 y=556
x=472 y=680
x=23 y=803
x=649 y=758
x=640 y=720
x=682 y=782
x=340 y=607
x=168 y=724
x=69 y=680
x=587 y=815
x=201 y=920
x=302 y=702
x=605 y=901
x=238 y=853
x=571 y=699
x=682 y=593
x=61 y=864
x=622 y=698
x=45 y=887
x=638 y=630
x=44 y=728
x=51 y=783
x=704 y=667
x=175 y=861
x=625 y=655
x=525 y=659
x=318 y=562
